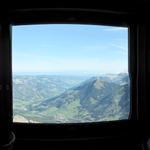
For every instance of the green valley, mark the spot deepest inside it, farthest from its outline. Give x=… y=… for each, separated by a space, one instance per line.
x=51 y=99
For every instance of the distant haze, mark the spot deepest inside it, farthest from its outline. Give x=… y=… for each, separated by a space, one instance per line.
x=88 y=74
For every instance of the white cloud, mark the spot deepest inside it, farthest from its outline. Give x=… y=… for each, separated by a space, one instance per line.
x=94 y=48
x=123 y=50
x=115 y=29
x=120 y=47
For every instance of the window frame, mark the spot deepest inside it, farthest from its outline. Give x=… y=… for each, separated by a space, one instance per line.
x=76 y=16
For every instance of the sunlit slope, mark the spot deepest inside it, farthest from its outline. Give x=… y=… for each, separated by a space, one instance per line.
x=95 y=100
x=32 y=89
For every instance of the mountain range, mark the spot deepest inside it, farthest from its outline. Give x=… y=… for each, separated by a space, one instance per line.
x=102 y=98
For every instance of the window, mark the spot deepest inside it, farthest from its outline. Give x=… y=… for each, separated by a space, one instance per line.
x=70 y=73
x=87 y=132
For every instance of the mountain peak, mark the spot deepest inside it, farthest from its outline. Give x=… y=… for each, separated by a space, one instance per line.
x=123 y=74
x=98 y=84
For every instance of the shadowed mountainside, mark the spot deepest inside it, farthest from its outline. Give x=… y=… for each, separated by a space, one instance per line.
x=95 y=99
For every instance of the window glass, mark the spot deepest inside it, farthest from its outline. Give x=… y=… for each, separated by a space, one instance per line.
x=65 y=73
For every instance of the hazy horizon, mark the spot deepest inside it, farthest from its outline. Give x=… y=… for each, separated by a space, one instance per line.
x=65 y=73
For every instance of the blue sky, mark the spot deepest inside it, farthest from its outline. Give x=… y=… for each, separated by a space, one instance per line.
x=70 y=48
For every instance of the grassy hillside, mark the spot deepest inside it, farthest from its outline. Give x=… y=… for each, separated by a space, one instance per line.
x=91 y=101
x=30 y=90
